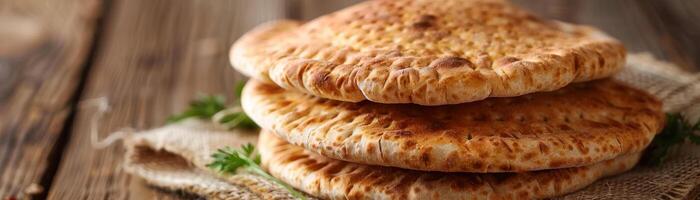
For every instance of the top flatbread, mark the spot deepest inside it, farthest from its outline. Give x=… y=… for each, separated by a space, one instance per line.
x=333 y=179
x=425 y=52
x=580 y=124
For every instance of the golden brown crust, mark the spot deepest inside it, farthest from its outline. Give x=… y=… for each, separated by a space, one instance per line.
x=578 y=125
x=398 y=51
x=333 y=179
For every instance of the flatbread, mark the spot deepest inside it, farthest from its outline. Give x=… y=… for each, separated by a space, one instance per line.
x=578 y=125
x=333 y=179
x=423 y=52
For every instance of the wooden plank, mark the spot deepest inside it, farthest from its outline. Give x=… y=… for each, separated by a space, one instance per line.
x=678 y=23
x=43 y=49
x=310 y=9
x=156 y=56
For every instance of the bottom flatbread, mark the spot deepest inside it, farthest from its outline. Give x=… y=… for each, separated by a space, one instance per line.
x=334 y=179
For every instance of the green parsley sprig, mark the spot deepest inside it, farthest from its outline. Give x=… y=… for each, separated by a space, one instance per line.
x=677 y=131
x=230 y=161
x=234 y=118
x=213 y=107
x=204 y=107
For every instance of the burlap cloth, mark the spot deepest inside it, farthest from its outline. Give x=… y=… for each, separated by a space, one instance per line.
x=174 y=156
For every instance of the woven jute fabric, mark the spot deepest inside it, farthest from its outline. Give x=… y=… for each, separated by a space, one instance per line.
x=174 y=157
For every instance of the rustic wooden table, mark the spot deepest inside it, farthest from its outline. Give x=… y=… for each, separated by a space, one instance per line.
x=149 y=58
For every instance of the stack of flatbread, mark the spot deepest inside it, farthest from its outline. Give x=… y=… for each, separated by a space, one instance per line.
x=453 y=99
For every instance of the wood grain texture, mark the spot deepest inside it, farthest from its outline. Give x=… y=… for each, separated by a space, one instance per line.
x=43 y=51
x=156 y=57
x=678 y=25
x=310 y=9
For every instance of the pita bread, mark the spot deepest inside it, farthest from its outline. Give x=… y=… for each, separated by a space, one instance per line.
x=422 y=52
x=333 y=179
x=578 y=125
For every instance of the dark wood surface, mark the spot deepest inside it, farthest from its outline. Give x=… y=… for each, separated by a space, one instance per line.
x=41 y=64
x=149 y=58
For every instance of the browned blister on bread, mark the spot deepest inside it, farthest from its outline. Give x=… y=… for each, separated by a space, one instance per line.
x=423 y=52
x=581 y=124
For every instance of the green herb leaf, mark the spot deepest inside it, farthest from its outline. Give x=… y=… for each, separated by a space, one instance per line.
x=229 y=161
x=677 y=131
x=213 y=107
x=236 y=119
x=204 y=108
x=238 y=90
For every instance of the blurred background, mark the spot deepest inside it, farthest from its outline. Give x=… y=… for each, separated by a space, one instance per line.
x=150 y=57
